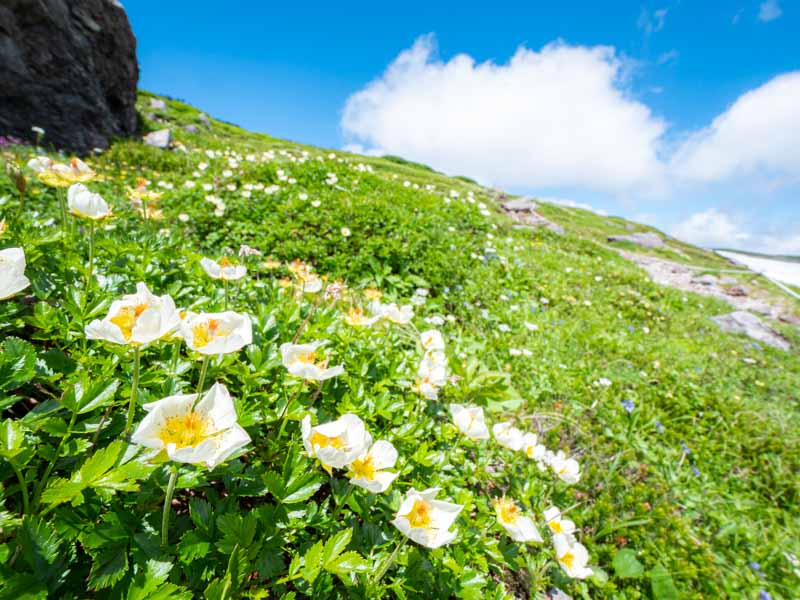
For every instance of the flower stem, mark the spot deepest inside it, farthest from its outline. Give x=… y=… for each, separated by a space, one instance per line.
x=62 y=200
x=24 y=487
x=134 y=391
x=285 y=412
x=225 y=283
x=43 y=481
x=389 y=561
x=173 y=478
x=202 y=380
x=91 y=258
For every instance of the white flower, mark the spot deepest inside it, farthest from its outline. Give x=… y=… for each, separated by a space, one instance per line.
x=518 y=526
x=302 y=360
x=400 y=315
x=431 y=340
x=470 y=421
x=139 y=318
x=345 y=231
x=356 y=318
x=183 y=218
x=40 y=164
x=337 y=443
x=572 y=556
x=507 y=436
x=37 y=129
x=567 y=469
x=86 y=204
x=426 y=521
x=207 y=433
x=217 y=333
x=223 y=269
x=436 y=320
x=12 y=272
x=603 y=381
x=367 y=471
x=557 y=524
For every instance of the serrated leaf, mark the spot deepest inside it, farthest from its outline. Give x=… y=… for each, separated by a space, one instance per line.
x=335 y=546
x=347 y=564
x=108 y=566
x=201 y=513
x=302 y=488
x=312 y=562
x=662 y=585
x=17 y=363
x=236 y=530
x=626 y=565
x=40 y=545
x=22 y=586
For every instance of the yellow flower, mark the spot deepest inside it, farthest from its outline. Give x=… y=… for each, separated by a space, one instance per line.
x=373 y=294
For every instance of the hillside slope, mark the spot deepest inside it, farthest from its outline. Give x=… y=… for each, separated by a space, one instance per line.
x=686 y=437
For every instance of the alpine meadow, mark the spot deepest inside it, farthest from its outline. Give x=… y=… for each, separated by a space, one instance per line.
x=239 y=367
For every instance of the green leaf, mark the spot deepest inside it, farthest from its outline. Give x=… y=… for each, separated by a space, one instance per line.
x=312 y=562
x=335 y=546
x=236 y=530
x=40 y=546
x=82 y=398
x=11 y=438
x=662 y=584
x=23 y=586
x=108 y=566
x=626 y=565
x=17 y=363
x=346 y=565
x=151 y=584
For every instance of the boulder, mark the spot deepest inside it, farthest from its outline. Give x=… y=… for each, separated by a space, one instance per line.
x=743 y=322
x=738 y=290
x=69 y=67
x=191 y=128
x=203 y=118
x=646 y=240
x=158 y=104
x=520 y=205
x=160 y=139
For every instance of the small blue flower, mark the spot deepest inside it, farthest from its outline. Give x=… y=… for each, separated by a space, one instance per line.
x=686 y=449
x=755 y=566
x=659 y=427
x=764 y=595
x=628 y=405
x=631 y=328
x=696 y=471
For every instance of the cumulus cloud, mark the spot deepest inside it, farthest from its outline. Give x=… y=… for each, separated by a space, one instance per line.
x=715 y=228
x=769 y=11
x=562 y=115
x=758 y=133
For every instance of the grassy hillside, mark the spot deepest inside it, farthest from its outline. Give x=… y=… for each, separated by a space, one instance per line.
x=686 y=437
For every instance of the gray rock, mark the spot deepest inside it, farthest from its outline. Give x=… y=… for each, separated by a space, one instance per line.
x=535 y=220
x=203 y=118
x=630 y=226
x=520 y=205
x=158 y=104
x=743 y=322
x=191 y=129
x=727 y=280
x=69 y=67
x=705 y=280
x=647 y=240
x=159 y=139
x=556 y=594
x=738 y=290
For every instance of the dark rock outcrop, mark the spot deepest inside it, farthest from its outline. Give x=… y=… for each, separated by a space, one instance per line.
x=68 y=66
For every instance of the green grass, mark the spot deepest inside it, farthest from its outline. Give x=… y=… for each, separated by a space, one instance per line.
x=699 y=480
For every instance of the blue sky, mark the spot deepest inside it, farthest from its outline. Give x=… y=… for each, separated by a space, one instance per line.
x=634 y=88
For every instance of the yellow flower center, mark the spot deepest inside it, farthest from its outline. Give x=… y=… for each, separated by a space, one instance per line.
x=205 y=332
x=373 y=294
x=307 y=358
x=185 y=430
x=419 y=517
x=568 y=559
x=319 y=440
x=364 y=468
x=555 y=526
x=224 y=262
x=507 y=511
x=355 y=316
x=125 y=319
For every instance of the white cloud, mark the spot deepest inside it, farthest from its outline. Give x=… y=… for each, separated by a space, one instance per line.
x=769 y=10
x=668 y=57
x=652 y=22
x=359 y=149
x=559 y=116
x=711 y=228
x=758 y=133
x=714 y=228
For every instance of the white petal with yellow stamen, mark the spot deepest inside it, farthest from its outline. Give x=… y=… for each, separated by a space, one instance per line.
x=223 y=269
x=507 y=436
x=470 y=421
x=139 y=318
x=368 y=470
x=304 y=361
x=337 y=443
x=12 y=272
x=217 y=333
x=518 y=526
x=572 y=556
x=85 y=204
x=557 y=524
x=426 y=521
x=204 y=434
